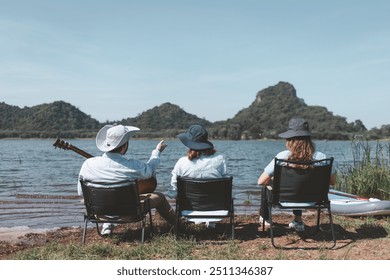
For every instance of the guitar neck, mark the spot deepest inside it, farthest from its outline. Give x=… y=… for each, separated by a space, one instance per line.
x=80 y=152
x=67 y=146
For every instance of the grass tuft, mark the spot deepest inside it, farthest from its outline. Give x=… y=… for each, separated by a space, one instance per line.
x=369 y=174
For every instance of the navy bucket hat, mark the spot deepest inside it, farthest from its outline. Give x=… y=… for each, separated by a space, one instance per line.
x=196 y=138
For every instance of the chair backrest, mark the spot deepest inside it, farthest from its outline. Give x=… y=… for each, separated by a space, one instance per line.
x=111 y=200
x=204 y=194
x=292 y=183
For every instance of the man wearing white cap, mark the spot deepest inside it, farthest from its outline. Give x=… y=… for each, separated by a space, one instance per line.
x=113 y=167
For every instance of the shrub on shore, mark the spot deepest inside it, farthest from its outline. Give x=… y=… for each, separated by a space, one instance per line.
x=369 y=174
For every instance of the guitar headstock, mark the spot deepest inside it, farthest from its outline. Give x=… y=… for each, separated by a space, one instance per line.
x=62 y=144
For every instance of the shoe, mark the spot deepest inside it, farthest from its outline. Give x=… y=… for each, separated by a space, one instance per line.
x=107 y=229
x=298 y=226
x=265 y=222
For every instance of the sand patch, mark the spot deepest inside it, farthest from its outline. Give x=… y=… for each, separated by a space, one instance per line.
x=14 y=234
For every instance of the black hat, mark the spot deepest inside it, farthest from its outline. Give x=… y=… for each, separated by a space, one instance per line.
x=196 y=138
x=297 y=127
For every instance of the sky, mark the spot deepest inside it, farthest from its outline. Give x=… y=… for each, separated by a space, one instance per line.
x=116 y=59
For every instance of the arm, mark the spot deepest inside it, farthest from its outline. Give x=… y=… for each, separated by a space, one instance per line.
x=172 y=189
x=264 y=179
x=268 y=173
x=148 y=170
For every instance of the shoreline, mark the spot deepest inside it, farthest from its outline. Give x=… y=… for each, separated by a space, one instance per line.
x=14 y=234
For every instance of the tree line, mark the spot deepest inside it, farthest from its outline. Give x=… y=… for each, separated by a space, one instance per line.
x=265 y=118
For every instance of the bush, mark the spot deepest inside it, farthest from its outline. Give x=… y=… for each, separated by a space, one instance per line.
x=369 y=174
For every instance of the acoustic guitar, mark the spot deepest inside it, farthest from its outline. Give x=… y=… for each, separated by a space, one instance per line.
x=144 y=186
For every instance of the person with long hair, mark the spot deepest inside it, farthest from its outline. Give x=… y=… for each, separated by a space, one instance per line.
x=300 y=147
x=201 y=160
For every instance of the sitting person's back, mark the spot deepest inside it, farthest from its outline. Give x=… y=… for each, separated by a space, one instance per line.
x=113 y=167
x=201 y=161
x=299 y=148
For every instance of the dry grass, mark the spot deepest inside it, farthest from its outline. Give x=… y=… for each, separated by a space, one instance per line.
x=357 y=239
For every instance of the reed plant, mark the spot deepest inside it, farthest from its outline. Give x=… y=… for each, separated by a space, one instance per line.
x=369 y=173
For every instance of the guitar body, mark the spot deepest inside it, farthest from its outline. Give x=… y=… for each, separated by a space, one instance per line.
x=147 y=185
x=144 y=186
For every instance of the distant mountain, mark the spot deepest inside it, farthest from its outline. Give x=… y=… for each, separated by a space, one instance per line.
x=167 y=119
x=270 y=112
x=265 y=118
x=46 y=120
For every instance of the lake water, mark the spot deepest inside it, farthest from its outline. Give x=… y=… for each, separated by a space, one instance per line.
x=38 y=182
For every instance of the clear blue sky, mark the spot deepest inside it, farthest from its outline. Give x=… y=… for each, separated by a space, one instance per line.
x=116 y=59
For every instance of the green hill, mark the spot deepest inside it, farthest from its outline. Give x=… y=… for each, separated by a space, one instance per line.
x=166 y=120
x=265 y=118
x=57 y=119
x=273 y=107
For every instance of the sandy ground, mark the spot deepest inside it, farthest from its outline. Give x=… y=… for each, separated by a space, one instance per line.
x=13 y=235
x=357 y=238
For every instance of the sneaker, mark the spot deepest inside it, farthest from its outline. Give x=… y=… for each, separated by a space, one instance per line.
x=107 y=229
x=261 y=222
x=298 y=226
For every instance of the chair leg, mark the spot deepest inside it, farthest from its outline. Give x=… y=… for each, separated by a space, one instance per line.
x=232 y=225
x=150 y=217
x=84 y=231
x=176 y=225
x=271 y=226
x=97 y=229
x=151 y=221
x=332 y=227
x=266 y=195
x=318 y=220
x=143 y=230
x=232 y=218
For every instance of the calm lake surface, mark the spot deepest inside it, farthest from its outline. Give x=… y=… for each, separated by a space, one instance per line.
x=38 y=182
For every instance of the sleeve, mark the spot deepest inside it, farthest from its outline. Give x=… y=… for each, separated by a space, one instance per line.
x=223 y=167
x=269 y=169
x=147 y=170
x=81 y=175
x=79 y=190
x=172 y=189
x=320 y=156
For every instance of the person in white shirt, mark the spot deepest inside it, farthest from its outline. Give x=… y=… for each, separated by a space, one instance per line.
x=113 y=167
x=201 y=160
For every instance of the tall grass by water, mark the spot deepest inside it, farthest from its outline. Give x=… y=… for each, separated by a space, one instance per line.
x=369 y=173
